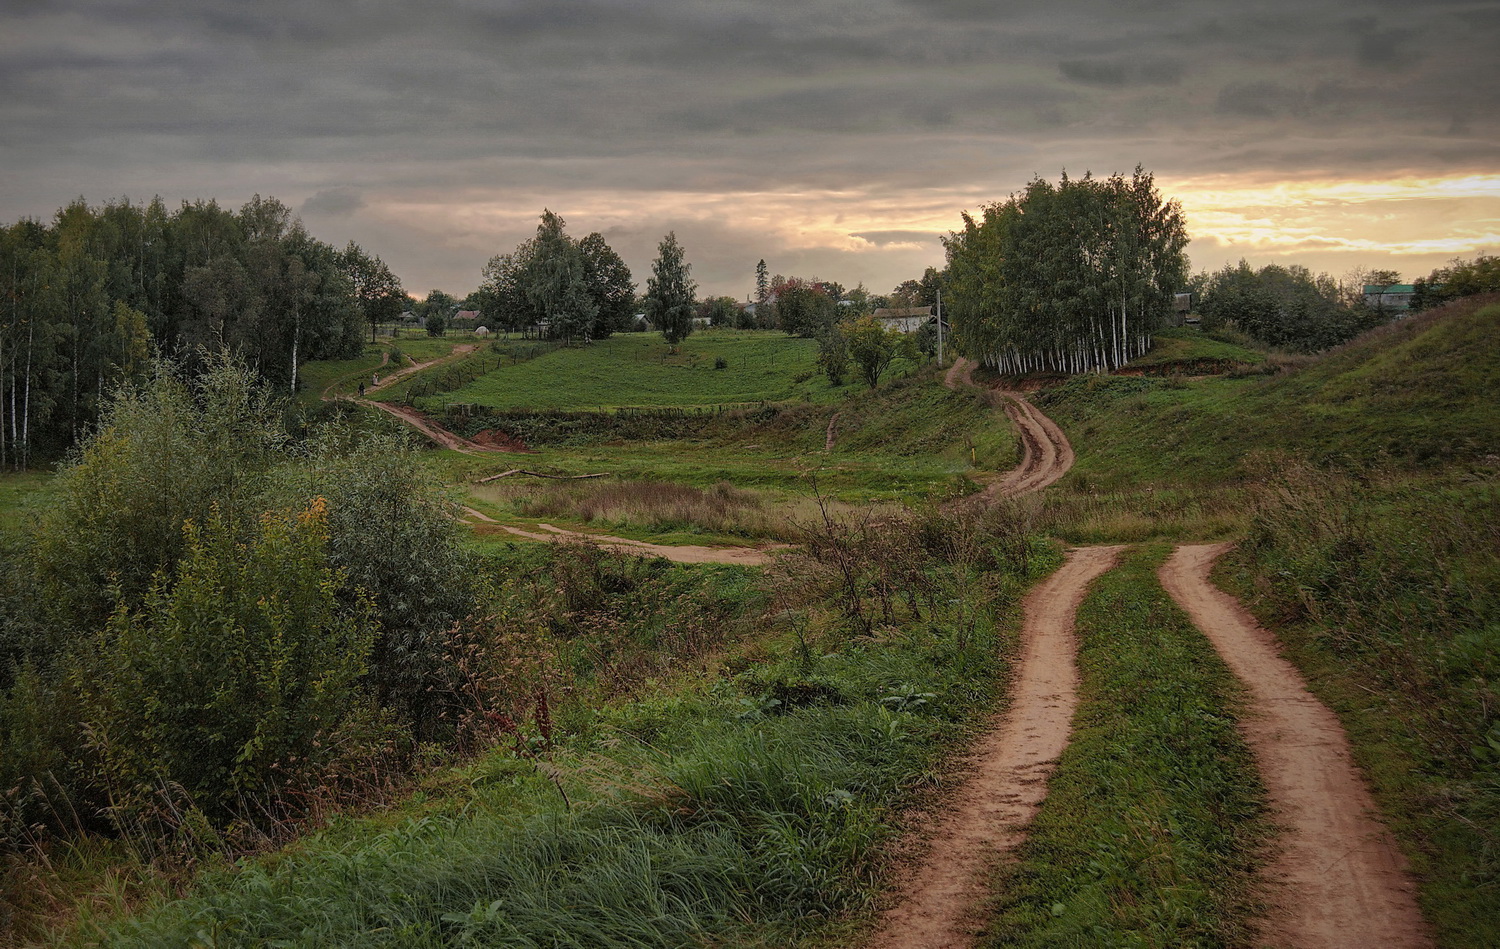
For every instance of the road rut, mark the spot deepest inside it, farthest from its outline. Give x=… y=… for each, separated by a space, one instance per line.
x=987 y=815
x=1338 y=882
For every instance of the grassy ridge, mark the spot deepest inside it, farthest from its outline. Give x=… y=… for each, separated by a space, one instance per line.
x=1150 y=829
x=1172 y=458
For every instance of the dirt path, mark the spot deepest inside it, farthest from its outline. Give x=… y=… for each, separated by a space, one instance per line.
x=1339 y=882
x=435 y=431
x=1046 y=454
x=830 y=438
x=738 y=556
x=987 y=815
x=462 y=349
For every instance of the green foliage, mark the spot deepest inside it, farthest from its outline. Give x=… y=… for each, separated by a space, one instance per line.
x=231 y=678
x=166 y=452
x=1153 y=822
x=580 y=290
x=394 y=538
x=1071 y=277
x=873 y=348
x=158 y=549
x=673 y=820
x=669 y=292
x=1461 y=278
x=804 y=308
x=91 y=293
x=833 y=355
x=1287 y=307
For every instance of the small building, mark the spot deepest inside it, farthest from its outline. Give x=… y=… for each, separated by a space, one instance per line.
x=482 y=331
x=906 y=319
x=1389 y=297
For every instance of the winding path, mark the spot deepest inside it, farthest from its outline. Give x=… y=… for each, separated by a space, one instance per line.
x=1338 y=882
x=987 y=815
x=1046 y=454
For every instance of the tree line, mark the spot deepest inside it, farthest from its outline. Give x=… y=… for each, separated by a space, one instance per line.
x=87 y=298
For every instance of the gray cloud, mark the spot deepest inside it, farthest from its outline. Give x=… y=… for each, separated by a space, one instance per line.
x=435 y=109
x=887 y=238
x=336 y=202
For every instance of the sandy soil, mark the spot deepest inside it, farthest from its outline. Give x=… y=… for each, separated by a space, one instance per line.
x=1046 y=454
x=987 y=814
x=1338 y=881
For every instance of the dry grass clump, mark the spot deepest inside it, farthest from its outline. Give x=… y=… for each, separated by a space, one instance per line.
x=654 y=506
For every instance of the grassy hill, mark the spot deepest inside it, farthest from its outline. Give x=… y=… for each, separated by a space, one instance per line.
x=717 y=367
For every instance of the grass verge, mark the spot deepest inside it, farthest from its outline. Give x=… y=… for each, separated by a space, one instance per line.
x=1153 y=821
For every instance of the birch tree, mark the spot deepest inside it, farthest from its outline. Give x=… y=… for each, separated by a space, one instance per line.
x=1072 y=277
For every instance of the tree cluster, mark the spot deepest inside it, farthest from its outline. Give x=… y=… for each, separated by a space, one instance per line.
x=1461 y=278
x=1287 y=307
x=86 y=299
x=568 y=289
x=807 y=308
x=1070 y=277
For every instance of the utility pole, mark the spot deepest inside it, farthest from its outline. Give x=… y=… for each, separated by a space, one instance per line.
x=940 y=326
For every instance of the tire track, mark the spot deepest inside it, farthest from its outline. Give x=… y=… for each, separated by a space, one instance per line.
x=1339 y=881
x=987 y=815
x=1046 y=454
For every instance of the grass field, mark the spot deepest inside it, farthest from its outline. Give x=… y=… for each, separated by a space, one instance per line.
x=637 y=369
x=1188 y=349
x=18 y=492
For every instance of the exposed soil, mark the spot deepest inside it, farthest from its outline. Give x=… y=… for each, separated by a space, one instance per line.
x=1338 y=881
x=986 y=815
x=439 y=434
x=1046 y=454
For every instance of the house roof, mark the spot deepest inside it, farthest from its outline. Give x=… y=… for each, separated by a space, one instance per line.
x=896 y=313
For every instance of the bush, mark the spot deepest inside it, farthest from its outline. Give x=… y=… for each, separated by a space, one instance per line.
x=231 y=677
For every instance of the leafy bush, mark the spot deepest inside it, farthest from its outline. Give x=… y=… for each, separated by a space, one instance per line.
x=231 y=677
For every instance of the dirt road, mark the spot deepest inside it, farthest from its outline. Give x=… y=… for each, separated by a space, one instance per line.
x=462 y=349
x=1339 y=882
x=1046 y=454
x=987 y=815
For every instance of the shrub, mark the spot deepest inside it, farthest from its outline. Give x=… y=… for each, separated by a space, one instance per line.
x=230 y=679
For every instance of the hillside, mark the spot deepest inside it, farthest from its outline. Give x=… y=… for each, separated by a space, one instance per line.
x=734 y=748
x=716 y=367
x=1417 y=392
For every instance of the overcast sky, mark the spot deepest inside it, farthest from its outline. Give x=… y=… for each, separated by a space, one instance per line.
x=833 y=138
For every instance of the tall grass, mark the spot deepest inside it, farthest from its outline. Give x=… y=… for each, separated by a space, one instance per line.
x=1387 y=587
x=1153 y=820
